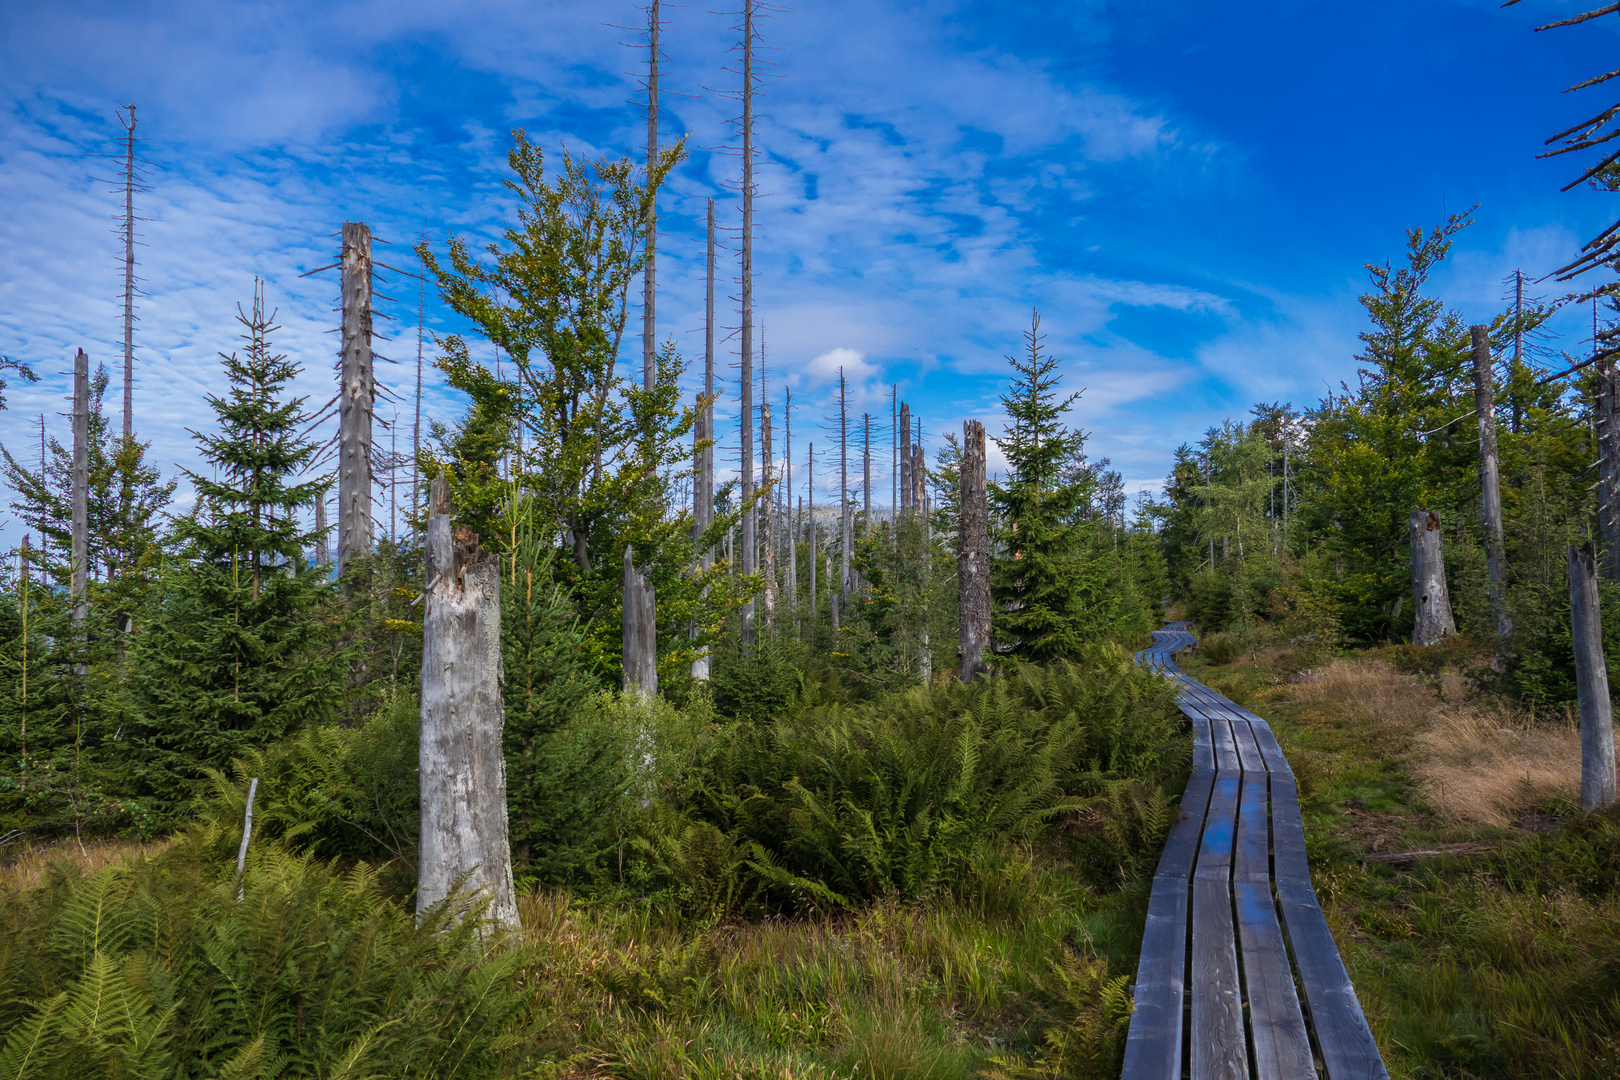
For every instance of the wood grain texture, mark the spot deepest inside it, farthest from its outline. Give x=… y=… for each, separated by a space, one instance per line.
x=1153 y=1044
x=1282 y=1048
x=1220 y=1047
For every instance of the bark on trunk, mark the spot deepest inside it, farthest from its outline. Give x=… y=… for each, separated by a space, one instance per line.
x=1432 y=620
x=640 y=632
x=463 y=770
x=973 y=554
x=355 y=392
x=904 y=433
x=1598 y=786
x=1491 y=481
x=80 y=569
x=1608 y=492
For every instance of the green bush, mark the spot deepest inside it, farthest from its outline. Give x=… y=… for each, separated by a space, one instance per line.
x=1219 y=648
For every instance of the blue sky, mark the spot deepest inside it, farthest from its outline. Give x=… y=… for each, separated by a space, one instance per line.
x=1187 y=191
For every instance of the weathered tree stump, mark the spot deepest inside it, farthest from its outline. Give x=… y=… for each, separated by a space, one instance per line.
x=463 y=770
x=1432 y=620
x=640 y=632
x=1598 y=782
x=973 y=554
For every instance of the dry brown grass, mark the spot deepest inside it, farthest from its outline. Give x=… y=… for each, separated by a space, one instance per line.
x=1478 y=759
x=25 y=870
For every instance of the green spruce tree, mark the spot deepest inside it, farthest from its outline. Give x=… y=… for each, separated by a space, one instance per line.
x=1048 y=592
x=240 y=651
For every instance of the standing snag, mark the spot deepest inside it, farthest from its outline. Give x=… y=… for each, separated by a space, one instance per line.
x=356 y=389
x=640 y=631
x=1598 y=782
x=463 y=770
x=1433 y=619
x=1491 y=496
x=973 y=553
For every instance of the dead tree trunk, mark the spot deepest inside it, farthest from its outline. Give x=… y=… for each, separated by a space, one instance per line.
x=903 y=444
x=973 y=553
x=792 y=527
x=749 y=542
x=846 y=510
x=649 y=273
x=768 y=474
x=80 y=569
x=815 y=595
x=463 y=770
x=1491 y=501
x=640 y=632
x=321 y=551
x=703 y=481
x=1608 y=491
x=132 y=180
x=1433 y=619
x=356 y=391
x=1598 y=787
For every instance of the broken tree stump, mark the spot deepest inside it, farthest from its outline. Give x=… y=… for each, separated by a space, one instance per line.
x=462 y=767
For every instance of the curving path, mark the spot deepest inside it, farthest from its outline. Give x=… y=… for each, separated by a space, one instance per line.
x=1239 y=975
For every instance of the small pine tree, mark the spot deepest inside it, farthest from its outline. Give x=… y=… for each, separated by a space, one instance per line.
x=238 y=653
x=1048 y=591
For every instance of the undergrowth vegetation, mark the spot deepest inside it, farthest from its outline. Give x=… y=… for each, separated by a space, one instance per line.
x=945 y=881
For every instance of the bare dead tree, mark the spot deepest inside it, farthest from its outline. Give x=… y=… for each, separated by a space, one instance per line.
x=640 y=657
x=649 y=290
x=1491 y=497
x=1432 y=620
x=846 y=508
x=461 y=763
x=1598 y=781
x=793 y=529
x=973 y=554
x=903 y=452
x=79 y=571
x=747 y=344
x=416 y=424
x=703 y=435
x=134 y=182
x=357 y=393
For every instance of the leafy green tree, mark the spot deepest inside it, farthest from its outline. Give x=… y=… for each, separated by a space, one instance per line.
x=238 y=652
x=599 y=453
x=1048 y=592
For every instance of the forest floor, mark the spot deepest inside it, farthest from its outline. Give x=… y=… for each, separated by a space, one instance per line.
x=1477 y=910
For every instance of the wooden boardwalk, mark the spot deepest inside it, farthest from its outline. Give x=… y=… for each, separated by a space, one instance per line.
x=1239 y=975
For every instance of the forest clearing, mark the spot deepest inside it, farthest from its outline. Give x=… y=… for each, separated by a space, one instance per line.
x=577 y=698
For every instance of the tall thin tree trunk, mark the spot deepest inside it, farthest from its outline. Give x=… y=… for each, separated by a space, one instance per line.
x=129 y=274
x=793 y=526
x=903 y=449
x=1598 y=786
x=79 y=580
x=416 y=425
x=749 y=544
x=973 y=553
x=649 y=274
x=846 y=511
x=1491 y=500
x=640 y=659
x=356 y=392
x=815 y=596
x=461 y=764
x=1432 y=619
x=321 y=551
x=1607 y=422
x=768 y=471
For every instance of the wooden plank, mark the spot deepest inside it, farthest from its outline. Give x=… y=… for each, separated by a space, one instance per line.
x=1282 y=1048
x=1342 y=1035
x=1153 y=1043
x=1252 y=861
x=1181 y=846
x=1220 y=1049
x=1226 y=759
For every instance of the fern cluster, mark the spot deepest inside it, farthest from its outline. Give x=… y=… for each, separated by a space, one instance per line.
x=843 y=804
x=171 y=967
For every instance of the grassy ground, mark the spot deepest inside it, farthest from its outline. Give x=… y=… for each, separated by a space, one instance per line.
x=1018 y=971
x=1502 y=960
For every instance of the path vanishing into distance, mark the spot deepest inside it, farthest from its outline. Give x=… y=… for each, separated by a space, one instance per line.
x=1239 y=974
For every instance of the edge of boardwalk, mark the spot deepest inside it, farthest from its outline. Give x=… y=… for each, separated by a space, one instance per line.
x=1239 y=974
